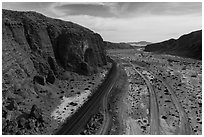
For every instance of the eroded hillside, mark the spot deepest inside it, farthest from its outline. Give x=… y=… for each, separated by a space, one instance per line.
x=46 y=61
x=188 y=45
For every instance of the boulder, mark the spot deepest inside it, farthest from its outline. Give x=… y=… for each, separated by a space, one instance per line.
x=21 y=122
x=39 y=79
x=12 y=105
x=50 y=77
x=36 y=113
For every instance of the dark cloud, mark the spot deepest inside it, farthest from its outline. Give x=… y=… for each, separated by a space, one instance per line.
x=124 y=21
x=131 y=9
x=173 y=8
x=42 y=7
x=106 y=9
x=26 y=5
x=86 y=9
x=164 y=8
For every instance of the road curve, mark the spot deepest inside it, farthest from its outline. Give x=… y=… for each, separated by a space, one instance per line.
x=104 y=126
x=103 y=129
x=76 y=122
x=184 y=127
x=154 y=110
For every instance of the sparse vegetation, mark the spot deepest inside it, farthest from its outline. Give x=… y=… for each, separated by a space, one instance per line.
x=167 y=75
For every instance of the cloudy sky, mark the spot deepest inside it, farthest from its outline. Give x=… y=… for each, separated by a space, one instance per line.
x=124 y=22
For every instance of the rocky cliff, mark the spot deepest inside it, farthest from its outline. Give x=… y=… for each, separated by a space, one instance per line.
x=189 y=45
x=36 y=51
x=52 y=43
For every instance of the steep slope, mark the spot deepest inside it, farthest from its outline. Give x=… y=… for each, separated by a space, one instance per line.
x=189 y=45
x=111 y=45
x=38 y=53
x=70 y=45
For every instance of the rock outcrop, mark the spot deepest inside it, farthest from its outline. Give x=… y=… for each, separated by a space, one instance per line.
x=50 y=43
x=36 y=51
x=189 y=45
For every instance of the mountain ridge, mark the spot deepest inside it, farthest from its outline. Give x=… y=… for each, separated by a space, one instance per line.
x=188 y=45
x=140 y=43
x=121 y=45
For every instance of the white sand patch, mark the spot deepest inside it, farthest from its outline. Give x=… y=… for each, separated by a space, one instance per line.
x=166 y=128
x=129 y=71
x=69 y=105
x=103 y=74
x=132 y=127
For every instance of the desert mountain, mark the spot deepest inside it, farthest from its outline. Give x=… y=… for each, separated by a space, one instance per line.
x=188 y=45
x=140 y=43
x=49 y=43
x=122 y=45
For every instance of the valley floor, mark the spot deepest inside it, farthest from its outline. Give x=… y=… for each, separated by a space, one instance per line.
x=156 y=94
x=152 y=94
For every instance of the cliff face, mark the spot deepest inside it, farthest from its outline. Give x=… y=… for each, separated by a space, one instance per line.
x=36 y=51
x=51 y=43
x=189 y=45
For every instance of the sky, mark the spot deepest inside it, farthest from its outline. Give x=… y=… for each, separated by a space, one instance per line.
x=122 y=21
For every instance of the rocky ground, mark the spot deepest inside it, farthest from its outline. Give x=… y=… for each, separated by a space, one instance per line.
x=47 y=106
x=94 y=123
x=138 y=104
x=167 y=75
x=78 y=92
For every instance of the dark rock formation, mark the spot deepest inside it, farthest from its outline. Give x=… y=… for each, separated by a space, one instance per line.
x=189 y=45
x=36 y=113
x=110 y=45
x=39 y=79
x=11 y=104
x=49 y=43
x=50 y=77
x=36 y=51
x=21 y=122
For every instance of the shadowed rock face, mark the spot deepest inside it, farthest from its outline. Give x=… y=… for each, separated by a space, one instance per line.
x=50 y=44
x=189 y=45
x=36 y=51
